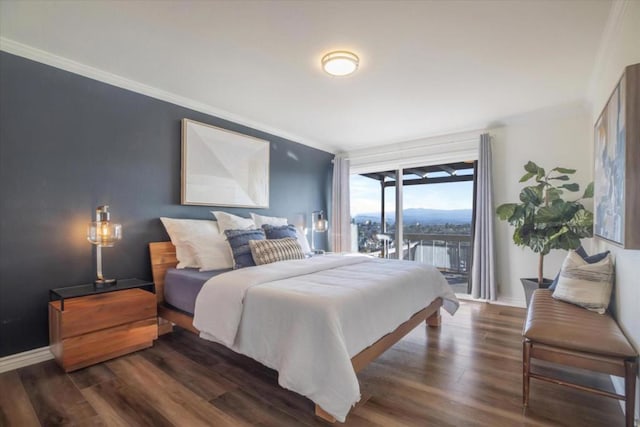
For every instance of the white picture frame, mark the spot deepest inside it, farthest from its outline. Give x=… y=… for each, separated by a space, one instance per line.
x=223 y=168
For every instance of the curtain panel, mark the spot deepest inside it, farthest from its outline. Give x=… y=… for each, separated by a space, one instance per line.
x=483 y=273
x=340 y=220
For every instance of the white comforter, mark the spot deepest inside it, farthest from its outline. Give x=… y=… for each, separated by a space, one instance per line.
x=308 y=318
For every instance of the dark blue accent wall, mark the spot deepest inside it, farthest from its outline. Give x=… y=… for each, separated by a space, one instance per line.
x=69 y=144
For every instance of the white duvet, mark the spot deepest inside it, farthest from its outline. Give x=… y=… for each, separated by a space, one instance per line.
x=308 y=318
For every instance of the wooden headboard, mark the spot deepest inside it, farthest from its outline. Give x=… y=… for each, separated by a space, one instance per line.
x=163 y=257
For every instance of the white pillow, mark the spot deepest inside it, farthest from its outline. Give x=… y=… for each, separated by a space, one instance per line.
x=302 y=241
x=181 y=230
x=227 y=221
x=268 y=220
x=211 y=251
x=584 y=284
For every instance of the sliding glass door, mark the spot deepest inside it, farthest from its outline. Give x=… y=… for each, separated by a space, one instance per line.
x=373 y=212
x=433 y=220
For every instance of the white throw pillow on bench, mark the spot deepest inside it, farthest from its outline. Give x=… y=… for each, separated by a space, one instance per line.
x=584 y=284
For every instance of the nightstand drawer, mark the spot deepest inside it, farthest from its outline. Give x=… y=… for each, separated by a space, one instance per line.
x=84 y=350
x=95 y=312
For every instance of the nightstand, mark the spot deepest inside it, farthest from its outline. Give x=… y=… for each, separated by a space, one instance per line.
x=90 y=324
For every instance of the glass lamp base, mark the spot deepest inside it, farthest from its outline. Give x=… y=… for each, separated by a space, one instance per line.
x=104 y=282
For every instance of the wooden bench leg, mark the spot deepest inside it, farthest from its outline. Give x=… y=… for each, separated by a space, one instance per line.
x=526 y=361
x=435 y=320
x=630 y=372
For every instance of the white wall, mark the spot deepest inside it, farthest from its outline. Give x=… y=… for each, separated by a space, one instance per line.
x=621 y=47
x=558 y=136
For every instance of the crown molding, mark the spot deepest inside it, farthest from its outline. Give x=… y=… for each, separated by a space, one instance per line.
x=48 y=58
x=420 y=152
x=609 y=33
x=416 y=144
x=26 y=358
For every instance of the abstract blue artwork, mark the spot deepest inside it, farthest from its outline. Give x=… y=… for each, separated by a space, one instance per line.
x=610 y=168
x=617 y=164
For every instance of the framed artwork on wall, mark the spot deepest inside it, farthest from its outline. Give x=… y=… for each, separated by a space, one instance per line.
x=617 y=164
x=223 y=168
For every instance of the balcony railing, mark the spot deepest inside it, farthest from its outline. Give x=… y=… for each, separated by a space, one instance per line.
x=450 y=253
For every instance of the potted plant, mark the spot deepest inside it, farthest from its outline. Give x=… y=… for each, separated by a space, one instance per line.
x=544 y=219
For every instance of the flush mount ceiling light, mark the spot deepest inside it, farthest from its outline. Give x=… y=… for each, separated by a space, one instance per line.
x=340 y=63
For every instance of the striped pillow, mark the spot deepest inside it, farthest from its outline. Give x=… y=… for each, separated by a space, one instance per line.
x=268 y=251
x=584 y=284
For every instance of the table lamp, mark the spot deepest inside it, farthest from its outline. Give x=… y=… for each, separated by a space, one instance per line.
x=318 y=225
x=103 y=233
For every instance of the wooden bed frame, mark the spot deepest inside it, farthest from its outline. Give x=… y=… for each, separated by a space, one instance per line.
x=163 y=257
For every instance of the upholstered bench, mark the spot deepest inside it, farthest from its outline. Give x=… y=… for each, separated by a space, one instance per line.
x=566 y=334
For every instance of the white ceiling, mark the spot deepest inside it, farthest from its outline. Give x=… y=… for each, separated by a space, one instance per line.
x=427 y=67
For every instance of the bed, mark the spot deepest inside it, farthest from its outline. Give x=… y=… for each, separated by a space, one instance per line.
x=317 y=321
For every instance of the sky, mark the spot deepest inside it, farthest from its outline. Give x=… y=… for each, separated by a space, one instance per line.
x=365 y=196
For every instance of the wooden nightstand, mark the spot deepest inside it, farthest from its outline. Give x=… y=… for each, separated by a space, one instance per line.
x=89 y=324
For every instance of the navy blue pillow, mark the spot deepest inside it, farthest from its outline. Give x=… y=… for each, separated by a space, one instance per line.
x=589 y=259
x=239 y=243
x=280 y=232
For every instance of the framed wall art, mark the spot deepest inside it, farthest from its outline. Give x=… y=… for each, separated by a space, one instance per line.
x=617 y=164
x=223 y=168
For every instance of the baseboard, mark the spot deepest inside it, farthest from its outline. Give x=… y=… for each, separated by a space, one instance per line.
x=19 y=360
x=511 y=302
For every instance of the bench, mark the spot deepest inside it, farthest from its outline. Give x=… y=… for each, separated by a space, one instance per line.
x=569 y=335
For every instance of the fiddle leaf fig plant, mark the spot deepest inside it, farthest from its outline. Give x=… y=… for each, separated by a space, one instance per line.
x=544 y=219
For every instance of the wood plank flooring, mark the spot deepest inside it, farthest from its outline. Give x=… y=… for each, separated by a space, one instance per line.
x=466 y=373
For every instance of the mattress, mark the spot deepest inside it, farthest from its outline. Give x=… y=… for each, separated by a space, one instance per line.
x=181 y=286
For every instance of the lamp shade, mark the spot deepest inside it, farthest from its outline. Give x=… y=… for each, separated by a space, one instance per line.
x=318 y=221
x=102 y=231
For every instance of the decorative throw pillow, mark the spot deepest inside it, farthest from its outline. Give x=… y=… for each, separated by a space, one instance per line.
x=584 y=284
x=285 y=231
x=268 y=251
x=280 y=232
x=227 y=221
x=181 y=231
x=268 y=220
x=239 y=243
x=590 y=259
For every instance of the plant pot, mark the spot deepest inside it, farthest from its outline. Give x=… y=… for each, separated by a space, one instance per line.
x=531 y=284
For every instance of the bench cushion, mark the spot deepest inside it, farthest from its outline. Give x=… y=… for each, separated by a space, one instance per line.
x=567 y=326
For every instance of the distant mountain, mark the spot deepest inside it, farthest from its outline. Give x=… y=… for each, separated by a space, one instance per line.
x=423 y=216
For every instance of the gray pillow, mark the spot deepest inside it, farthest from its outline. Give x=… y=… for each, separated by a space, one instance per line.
x=584 y=284
x=239 y=243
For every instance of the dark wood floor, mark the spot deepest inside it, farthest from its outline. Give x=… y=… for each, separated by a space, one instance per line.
x=466 y=373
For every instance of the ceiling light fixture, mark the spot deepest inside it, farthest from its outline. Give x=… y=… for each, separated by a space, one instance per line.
x=340 y=63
